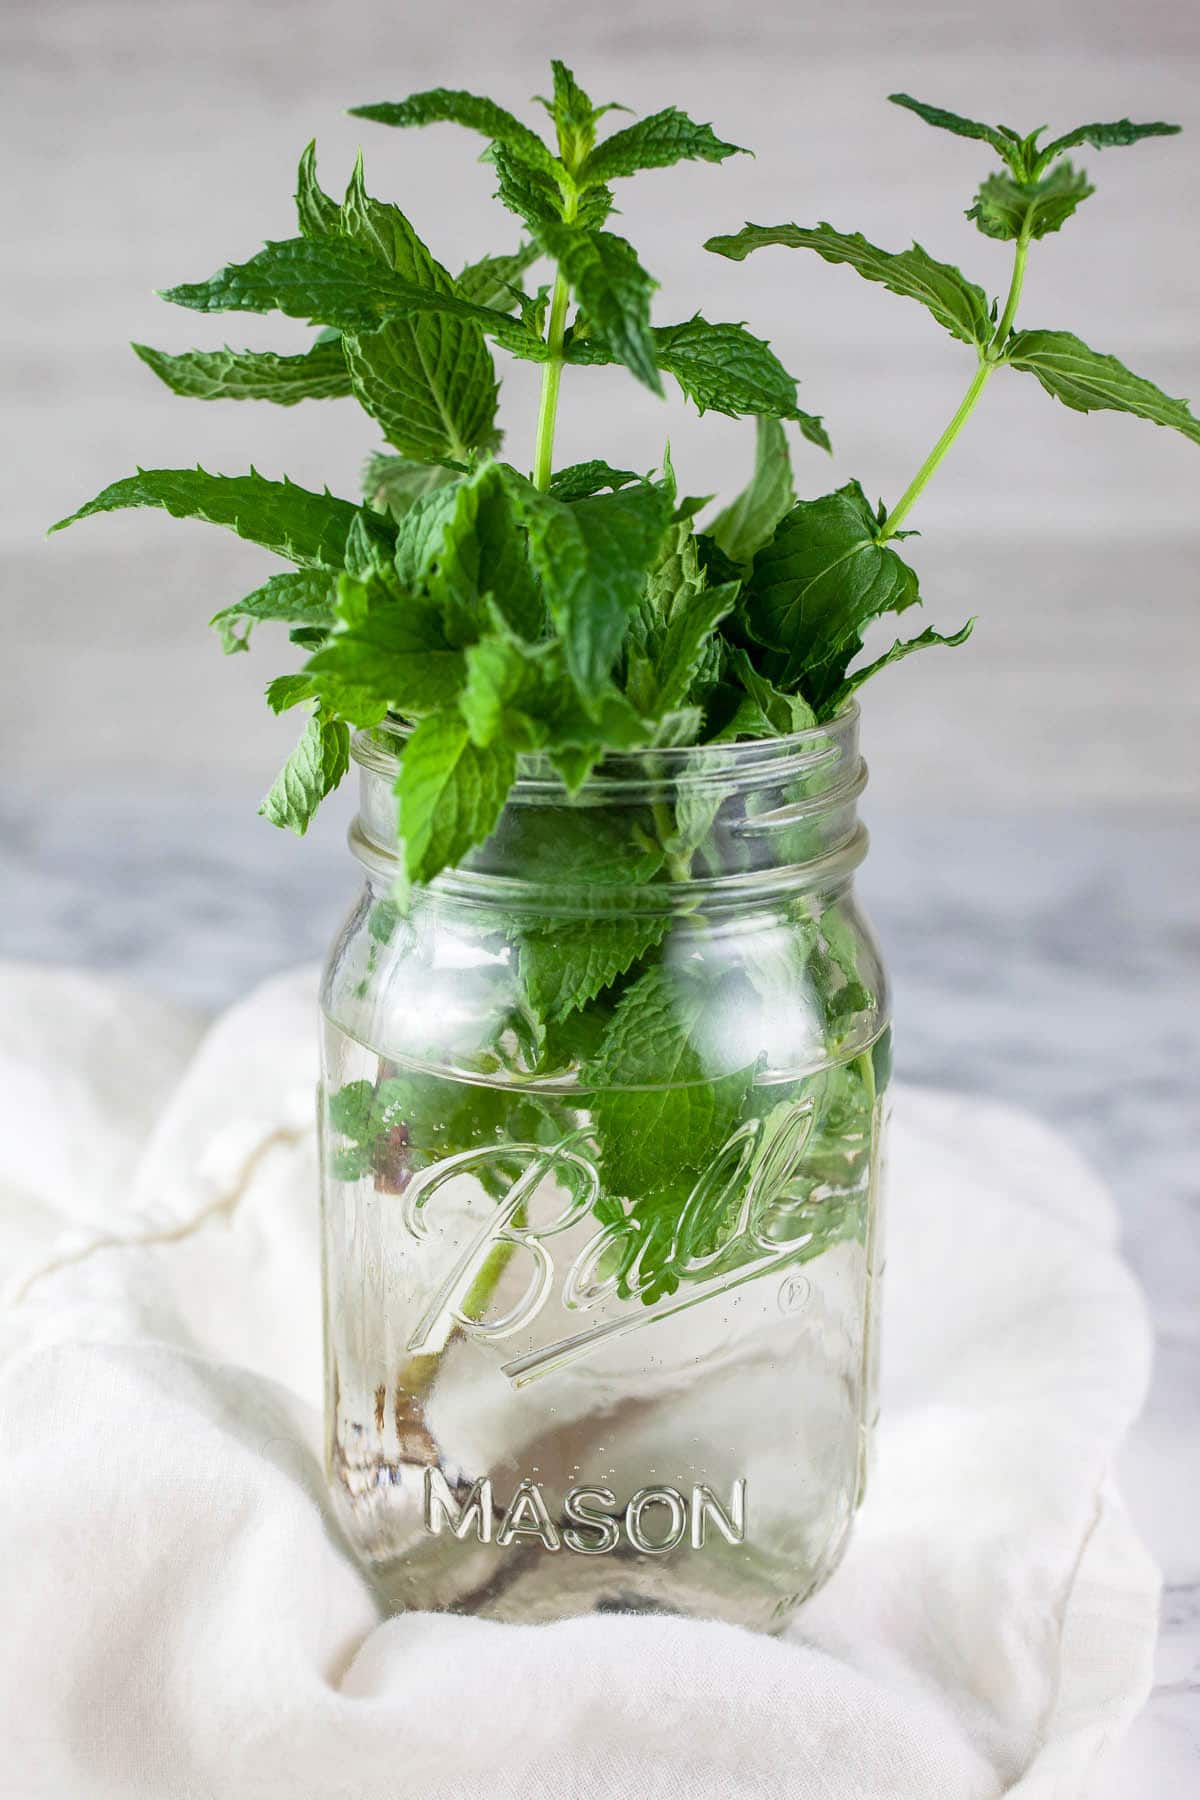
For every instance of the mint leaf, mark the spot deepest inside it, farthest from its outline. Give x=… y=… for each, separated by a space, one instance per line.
x=1088 y=381
x=660 y=1108
x=317 y=214
x=520 y=693
x=394 y=654
x=612 y=288
x=900 y=649
x=725 y=368
x=420 y=534
x=506 y=689
x=492 y=280
x=306 y=528
x=563 y=971
x=317 y=374
x=818 y=583
x=1001 y=137
x=672 y=647
x=334 y=281
x=1103 y=137
x=683 y=652
x=1004 y=208
x=313 y=770
x=483 y=551
x=957 y=304
x=573 y=114
x=454 y=106
x=451 y=793
x=765 y=711
x=295 y=597
x=749 y=522
x=721 y=368
x=528 y=191
x=591 y=558
x=582 y=479
x=427 y=378
x=393 y=484
x=287 y=691
x=424 y=389
x=654 y=143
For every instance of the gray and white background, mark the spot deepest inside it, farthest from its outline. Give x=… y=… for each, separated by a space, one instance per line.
x=1034 y=797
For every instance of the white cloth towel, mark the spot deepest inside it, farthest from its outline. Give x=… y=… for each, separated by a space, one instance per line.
x=177 y=1621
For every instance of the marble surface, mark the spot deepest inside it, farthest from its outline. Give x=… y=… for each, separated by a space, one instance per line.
x=1049 y=960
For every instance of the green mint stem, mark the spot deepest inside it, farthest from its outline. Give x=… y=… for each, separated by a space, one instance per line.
x=1014 y=294
x=543 y=455
x=913 y=491
x=989 y=357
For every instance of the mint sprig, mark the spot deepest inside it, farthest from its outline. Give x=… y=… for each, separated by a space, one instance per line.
x=495 y=610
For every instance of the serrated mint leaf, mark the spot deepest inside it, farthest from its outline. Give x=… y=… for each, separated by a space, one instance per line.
x=306 y=528
x=749 y=522
x=1004 y=208
x=425 y=388
x=317 y=374
x=768 y=711
x=483 y=552
x=509 y=683
x=563 y=971
x=900 y=649
x=727 y=369
x=420 y=532
x=673 y=655
x=491 y=280
x=338 y=282
x=526 y=189
x=818 y=583
x=394 y=656
x=661 y=1107
x=582 y=479
x=1104 y=137
x=295 y=597
x=393 y=484
x=325 y=280
x=612 y=288
x=573 y=114
x=427 y=377
x=683 y=656
x=1088 y=381
x=720 y=368
x=655 y=142
x=521 y=694
x=454 y=106
x=957 y=304
x=313 y=770
x=451 y=793
x=713 y=560
x=591 y=558
x=287 y=691
x=1001 y=137
x=317 y=214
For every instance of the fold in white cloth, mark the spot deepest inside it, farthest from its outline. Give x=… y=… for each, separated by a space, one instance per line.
x=177 y=1621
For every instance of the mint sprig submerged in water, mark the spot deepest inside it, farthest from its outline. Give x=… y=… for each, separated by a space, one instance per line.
x=576 y=611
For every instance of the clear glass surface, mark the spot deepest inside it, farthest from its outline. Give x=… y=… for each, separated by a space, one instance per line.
x=593 y=1346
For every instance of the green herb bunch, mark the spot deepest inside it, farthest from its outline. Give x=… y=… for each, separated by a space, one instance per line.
x=578 y=611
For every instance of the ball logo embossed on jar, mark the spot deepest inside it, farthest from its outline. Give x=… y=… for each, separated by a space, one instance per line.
x=741 y=1221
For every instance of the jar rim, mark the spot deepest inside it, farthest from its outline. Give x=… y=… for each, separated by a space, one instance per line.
x=624 y=772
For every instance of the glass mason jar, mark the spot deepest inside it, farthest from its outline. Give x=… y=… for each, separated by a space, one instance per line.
x=601 y=1123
